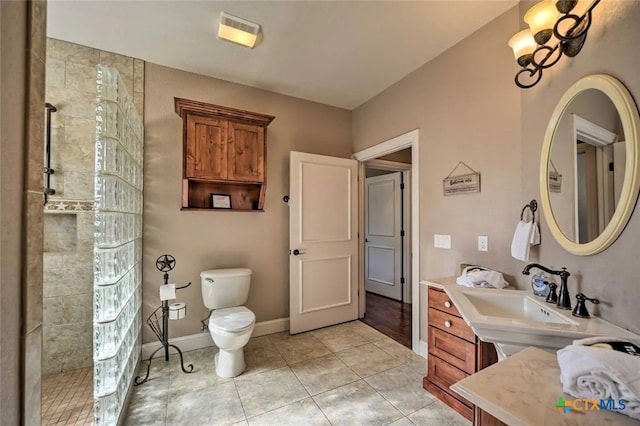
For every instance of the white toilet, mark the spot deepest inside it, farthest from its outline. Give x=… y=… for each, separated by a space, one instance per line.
x=231 y=324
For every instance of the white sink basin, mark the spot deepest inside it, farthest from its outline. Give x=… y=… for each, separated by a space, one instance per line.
x=515 y=306
x=515 y=319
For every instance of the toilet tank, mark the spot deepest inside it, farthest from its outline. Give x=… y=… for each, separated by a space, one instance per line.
x=225 y=288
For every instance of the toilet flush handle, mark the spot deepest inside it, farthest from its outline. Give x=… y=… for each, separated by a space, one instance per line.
x=209 y=280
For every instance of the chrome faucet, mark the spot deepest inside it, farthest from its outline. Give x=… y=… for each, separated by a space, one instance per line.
x=564 y=300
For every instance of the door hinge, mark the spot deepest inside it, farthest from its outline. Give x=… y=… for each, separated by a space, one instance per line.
x=611 y=166
x=402 y=233
x=402 y=280
x=402 y=186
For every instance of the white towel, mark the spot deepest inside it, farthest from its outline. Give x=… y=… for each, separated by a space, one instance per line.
x=596 y=373
x=535 y=236
x=476 y=276
x=526 y=235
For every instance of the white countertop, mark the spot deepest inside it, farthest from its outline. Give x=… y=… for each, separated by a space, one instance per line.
x=440 y=283
x=524 y=389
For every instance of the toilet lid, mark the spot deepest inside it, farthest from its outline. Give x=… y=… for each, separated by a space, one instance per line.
x=232 y=319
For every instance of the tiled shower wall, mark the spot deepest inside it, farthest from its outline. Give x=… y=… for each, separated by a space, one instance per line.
x=68 y=223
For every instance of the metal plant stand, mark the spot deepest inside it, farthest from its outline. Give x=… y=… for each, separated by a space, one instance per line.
x=158 y=321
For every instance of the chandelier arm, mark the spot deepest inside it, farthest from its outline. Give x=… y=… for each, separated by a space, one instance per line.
x=544 y=62
x=535 y=73
x=580 y=26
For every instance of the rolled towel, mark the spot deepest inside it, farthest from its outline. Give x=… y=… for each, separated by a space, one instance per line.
x=476 y=276
x=590 y=369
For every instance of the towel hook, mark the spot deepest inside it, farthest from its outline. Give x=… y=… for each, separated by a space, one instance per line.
x=533 y=206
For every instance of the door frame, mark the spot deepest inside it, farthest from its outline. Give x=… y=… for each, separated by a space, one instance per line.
x=406 y=140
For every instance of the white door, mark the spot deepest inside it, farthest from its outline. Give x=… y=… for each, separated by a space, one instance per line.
x=383 y=243
x=323 y=241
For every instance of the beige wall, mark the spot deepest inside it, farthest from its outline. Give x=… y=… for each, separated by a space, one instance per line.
x=201 y=240
x=12 y=89
x=465 y=105
x=468 y=109
x=22 y=65
x=611 y=48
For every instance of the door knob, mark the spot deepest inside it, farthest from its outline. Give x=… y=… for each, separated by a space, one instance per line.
x=297 y=252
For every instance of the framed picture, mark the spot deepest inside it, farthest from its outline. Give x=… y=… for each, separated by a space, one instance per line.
x=220 y=201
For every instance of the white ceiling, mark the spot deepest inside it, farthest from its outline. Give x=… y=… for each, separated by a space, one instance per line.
x=340 y=53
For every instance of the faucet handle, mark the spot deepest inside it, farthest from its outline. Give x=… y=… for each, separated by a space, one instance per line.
x=552 y=297
x=580 y=310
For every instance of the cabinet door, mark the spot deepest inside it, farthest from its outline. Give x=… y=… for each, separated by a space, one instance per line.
x=206 y=151
x=246 y=152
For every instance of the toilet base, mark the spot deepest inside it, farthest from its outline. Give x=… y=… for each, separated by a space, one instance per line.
x=230 y=363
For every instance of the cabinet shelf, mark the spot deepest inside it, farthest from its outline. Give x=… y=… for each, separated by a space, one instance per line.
x=197 y=209
x=244 y=196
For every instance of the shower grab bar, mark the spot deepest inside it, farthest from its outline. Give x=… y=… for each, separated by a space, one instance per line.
x=48 y=171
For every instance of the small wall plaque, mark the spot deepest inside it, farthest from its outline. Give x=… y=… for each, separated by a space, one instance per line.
x=461 y=184
x=555 y=179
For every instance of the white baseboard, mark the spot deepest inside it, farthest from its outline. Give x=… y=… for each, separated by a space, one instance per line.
x=203 y=340
x=422 y=348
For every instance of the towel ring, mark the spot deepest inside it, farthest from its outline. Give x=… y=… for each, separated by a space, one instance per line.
x=533 y=206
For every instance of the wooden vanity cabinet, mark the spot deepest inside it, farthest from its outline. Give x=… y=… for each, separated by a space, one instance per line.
x=455 y=352
x=224 y=153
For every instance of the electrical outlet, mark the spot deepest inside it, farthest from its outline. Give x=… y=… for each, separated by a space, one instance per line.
x=483 y=243
x=442 y=241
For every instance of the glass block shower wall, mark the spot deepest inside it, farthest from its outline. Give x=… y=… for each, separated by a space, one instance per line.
x=118 y=245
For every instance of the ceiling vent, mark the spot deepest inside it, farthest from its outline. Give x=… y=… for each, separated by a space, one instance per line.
x=238 y=30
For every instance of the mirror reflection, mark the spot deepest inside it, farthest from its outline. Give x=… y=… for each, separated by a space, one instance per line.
x=586 y=166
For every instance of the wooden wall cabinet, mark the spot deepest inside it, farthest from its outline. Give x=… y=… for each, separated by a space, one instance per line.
x=224 y=153
x=455 y=352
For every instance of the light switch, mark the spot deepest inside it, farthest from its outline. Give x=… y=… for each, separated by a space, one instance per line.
x=442 y=241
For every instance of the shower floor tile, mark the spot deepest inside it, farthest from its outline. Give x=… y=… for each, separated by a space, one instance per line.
x=67 y=398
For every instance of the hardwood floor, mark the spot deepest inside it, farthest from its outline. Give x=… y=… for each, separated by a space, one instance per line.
x=390 y=317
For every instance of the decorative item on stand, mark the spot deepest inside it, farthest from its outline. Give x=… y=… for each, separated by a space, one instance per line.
x=553 y=32
x=158 y=321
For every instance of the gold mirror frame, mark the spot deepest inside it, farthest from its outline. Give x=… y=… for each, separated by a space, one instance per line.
x=630 y=119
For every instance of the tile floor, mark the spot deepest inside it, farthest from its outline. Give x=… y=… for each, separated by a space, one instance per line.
x=67 y=398
x=349 y=374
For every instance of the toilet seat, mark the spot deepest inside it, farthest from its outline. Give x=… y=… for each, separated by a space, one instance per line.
x=232 y=320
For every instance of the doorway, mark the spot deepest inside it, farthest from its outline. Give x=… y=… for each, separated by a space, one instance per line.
x=405 y=146
x=386 y=270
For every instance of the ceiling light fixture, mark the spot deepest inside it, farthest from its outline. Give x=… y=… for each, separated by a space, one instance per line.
x=238 y=30
x=553 y=31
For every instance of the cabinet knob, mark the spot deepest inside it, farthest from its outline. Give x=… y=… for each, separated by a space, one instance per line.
x=447 y=304
x=447 y=324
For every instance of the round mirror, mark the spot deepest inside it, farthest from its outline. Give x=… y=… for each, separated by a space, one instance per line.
x=589 y=177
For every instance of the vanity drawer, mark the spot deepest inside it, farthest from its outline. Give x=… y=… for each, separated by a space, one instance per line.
x=438 y=299
x=452 y=349
x=451 y=324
